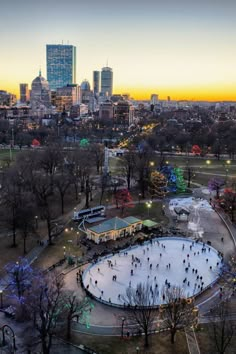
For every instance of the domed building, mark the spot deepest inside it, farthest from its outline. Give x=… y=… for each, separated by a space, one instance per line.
x=86 y=95
x=40 y=98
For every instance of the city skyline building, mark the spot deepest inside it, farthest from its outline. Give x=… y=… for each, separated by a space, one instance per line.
x=61 y=65
x=40 y=98
x=96 y=83
x=154 y=99
x=24 y=93
x=107 y=82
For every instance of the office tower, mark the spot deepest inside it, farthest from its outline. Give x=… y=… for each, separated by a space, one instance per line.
x=154 y=99
x=24 y=93
x=40 y=93
x=96 y=83
x=61 y=65
x=66 y=97
x=107 y=82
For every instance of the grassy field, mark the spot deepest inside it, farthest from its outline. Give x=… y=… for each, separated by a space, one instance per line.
x=203 y=171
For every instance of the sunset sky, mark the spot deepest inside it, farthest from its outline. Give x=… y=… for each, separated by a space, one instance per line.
x=181 y=48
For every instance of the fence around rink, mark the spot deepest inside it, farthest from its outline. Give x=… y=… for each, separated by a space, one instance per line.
x=124 y=306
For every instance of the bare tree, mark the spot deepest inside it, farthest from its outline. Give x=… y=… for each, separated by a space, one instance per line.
x=12 y=192
x=189 y=173
x=51 y=159
x=141 y=303
x=221 y=328
x=45 y=305
x=62 y=183
x=128 y=166
x=75 y=308
x=43 y=192
x=26 y=218
x=177 y=311
x=97 y=155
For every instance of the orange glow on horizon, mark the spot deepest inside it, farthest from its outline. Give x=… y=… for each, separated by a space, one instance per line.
x=206 y=93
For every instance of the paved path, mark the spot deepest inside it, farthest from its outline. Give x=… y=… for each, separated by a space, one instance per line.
x=192 y=342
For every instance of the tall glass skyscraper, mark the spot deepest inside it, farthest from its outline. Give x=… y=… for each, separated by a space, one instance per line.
x=107 y=81
x=61 y=65
x=96 y=83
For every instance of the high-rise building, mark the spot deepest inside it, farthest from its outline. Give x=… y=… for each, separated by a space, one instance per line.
x=154 y=99
x=24 y=93
x=61 y=65
x=96 y=83
x=106 y=81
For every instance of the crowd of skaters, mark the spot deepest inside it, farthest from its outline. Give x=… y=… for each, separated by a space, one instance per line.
x=145 y=261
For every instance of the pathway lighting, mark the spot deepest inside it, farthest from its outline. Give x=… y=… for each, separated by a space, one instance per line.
x=122 y=327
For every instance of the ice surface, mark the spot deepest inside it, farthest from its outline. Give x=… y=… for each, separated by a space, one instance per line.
x=163 y=251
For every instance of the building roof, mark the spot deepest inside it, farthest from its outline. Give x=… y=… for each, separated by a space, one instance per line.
x=132 y=220
x=114 y=224
x=149 y=223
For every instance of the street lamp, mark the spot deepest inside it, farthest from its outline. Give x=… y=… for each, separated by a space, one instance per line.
x=208 y=162
x=152 y=163
x=1 y=299
x=139 y=197
x=77 y=238
x=137 y=350
x=64 y=251
x=149 y=204
x=5 y=331
x=122 y=327
x=36 y=221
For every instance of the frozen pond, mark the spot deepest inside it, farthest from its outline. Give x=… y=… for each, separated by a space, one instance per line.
x=177 y=261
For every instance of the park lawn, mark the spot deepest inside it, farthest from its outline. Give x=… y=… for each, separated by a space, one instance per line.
x=5 y=154
x=54 y=253
x=159 y=344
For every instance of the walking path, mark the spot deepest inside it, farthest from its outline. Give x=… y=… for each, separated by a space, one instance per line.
x=192 y=342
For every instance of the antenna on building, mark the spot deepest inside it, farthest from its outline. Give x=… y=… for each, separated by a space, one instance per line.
x=40 y=71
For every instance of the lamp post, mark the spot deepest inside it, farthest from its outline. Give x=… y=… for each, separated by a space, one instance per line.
x=227 y=165
x=5 y=331
x=64 y=251
x=36 y=221
x=77 y=238
x=122 y=327
x=1 y=299
x=139 y=197
x=137 y=350
x=149 y=204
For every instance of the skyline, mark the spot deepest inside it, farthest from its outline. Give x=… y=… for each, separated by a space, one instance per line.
x=179 y=49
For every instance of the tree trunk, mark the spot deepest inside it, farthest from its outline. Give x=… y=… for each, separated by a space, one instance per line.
x=49 y=232
x=14 y=236
x=62 y=203
x=146 y=339
x=68 y=331
x=172 y=333
x=24 y=244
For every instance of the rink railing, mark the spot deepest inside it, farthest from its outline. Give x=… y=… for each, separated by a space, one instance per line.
x=127 y=306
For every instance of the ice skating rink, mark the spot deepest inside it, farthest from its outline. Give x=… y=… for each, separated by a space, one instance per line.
x=165 y=261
